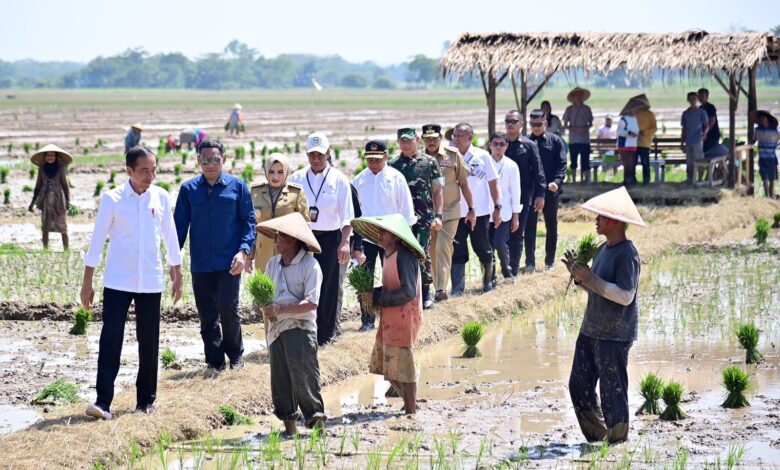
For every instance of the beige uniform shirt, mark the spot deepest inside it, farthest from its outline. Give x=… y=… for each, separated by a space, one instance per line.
x=454 y=170
x=292 y=199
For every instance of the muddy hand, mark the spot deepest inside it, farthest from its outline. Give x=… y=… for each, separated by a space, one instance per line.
x=569 y=259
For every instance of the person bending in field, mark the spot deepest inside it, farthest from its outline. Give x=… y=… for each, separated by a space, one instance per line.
x=399 y=300
x=610 y=324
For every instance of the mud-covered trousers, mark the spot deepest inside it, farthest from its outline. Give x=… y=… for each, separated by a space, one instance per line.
x=605 y=362
x=295 y=376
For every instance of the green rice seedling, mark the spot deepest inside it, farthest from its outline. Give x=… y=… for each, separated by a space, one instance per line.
x=343 y=164
x=762 y=231
x=168 y=358
x=301 y=166
x=177 y=169
x=177 y=180
x=111 y=186
x=253 y=149
x=85 y=150
x=32 y=172
x=112 y=176
x=26 y=147
x=736 y=382
x=7 y=196
x=165 y=185
x=10 y=148
x=287 y=148
x=99 y=188
x=81 y=321
x=471 y=334
x=337 y=152
x=748 y=334
x=27 y=188
x=392 y=392
x=78 y=141
x=356 y=438
x=651 y=388
x=4 y=172
x=9 y=249
x=59 y=392
x=240 y=152
x=297 y=146
x=183 y=157
x=586 y=251
x=362 y=280
x=672 y=394
x=73 y=210
x=776 y=220
x=233 y=417
x=247 y=174
x=264 y=151
x=261 y=288
x=37 y=146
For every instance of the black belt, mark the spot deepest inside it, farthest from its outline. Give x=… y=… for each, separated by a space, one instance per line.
x=318 y=233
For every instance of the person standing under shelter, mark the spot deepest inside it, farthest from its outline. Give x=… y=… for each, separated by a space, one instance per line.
x=640 y=109
x=607 y=131
x=766 y=137
x=509 y=185
x=425 y=183
x=382 y=190
x=215 y=209
x=455 y=173
x=52 y=193
x=133 y=137
x=291 y=322
x=712 y=134
x=330 y=210
x=611 y=319
x=137 y=218
x=627 y=138
x=694 y=129
x=552 y=153
x=578 y=119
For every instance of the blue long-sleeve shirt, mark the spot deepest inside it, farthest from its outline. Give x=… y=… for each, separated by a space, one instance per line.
x=220 y=220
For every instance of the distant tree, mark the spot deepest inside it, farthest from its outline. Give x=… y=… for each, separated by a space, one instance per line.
x=422 y=70
x=383 y=83
x=354 y=80
x=775 y=30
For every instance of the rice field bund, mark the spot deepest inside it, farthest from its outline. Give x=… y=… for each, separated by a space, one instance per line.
x=493 y=369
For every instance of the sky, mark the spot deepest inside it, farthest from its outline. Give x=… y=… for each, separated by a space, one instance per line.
x=385 y=32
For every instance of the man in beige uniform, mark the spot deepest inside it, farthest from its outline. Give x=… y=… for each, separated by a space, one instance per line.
x=455 y=173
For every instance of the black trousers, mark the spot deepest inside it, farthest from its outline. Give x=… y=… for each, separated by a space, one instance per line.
x=516 y=238
x=583 y=152
x=605 y=362
x=216 y=297
x=147 y=332
x=480 y=241
x=643 y=155
x=550 y=214
x=329 y=291
x=295 y=376
x=372 y=252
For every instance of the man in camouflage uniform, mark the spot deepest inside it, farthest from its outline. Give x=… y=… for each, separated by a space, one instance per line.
x=425 y=183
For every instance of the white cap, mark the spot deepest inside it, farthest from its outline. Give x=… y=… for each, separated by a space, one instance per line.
x=317 y=142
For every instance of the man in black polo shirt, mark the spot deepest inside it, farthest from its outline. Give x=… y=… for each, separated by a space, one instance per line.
x=532 y=187
x=553 y=155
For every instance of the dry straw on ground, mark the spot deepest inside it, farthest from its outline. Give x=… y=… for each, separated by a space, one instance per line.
x=188 y=401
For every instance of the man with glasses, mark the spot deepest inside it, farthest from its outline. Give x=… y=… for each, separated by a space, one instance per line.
x=525 y=154
x=331 y=210
x=553 y=155
x=425 y=182
x=216 y=210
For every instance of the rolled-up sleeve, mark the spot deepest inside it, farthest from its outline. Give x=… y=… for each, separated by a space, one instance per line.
x=346 y=209
x=246 y=217
x=171 y=239
x=105 y=216
x=312 y=284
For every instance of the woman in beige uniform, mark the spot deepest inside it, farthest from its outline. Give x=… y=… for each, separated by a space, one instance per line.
x=52 y=194
x=274 y=198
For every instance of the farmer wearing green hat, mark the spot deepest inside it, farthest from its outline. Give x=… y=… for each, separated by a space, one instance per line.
x=399 y=300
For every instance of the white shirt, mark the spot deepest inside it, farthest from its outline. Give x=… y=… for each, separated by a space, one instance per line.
x=628 y=123
x=509 y=182
x=135 y=224
x=606 y=133
x=330 y=193
x=480 y=165
x=384 y=193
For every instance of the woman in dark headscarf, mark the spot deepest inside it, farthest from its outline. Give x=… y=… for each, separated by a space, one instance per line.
x=52 y=194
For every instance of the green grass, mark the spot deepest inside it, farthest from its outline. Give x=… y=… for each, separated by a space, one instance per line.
x=651 y=388
x=81 y=321
x=233 y=417
x=261 y=288
x=58 y=392
x=471 y=334
x=9 y=249
x=168 y=358
x=736 y=381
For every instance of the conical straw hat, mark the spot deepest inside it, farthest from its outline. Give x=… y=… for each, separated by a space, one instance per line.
x=137 y=125
x=761 y=112
x=615 y=204
x=237 y=106
x=368 y=228
x=585 y=94
x=293 y=225
x=39 y=157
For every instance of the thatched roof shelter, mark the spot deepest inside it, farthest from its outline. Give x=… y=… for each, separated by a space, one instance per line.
x=726 y=56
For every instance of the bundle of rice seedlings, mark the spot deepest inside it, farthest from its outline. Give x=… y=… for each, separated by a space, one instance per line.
x=762 y=231
x=177 y=169
x=233 y=417
x=362 y=280
x=261 y=288
x=165 y=185
x=4 y=172
x=672 y=394
x=651 y=388
x=247 y=174
x=471 y=334
x=99 y=188
x=32 y=173
x=81 y=321
x=748 y=334
x=73 y=210
x=586 y=250
x=168 y=358
x=7 y=196
x=736 y=382
x=776 y=220
x=58 y=392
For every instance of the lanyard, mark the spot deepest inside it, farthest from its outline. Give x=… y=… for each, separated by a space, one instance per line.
x=273 y=202
x=324 y=178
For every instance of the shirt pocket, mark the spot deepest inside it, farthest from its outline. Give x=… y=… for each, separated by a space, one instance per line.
x=226 y=203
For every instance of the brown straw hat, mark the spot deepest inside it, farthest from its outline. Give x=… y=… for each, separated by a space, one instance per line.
x=636 y=103
x=293 y=225
x=137 y=125
x=39 y=157
x=585 y=94
x=368 y=228
x=617 y=205
x=762 y=112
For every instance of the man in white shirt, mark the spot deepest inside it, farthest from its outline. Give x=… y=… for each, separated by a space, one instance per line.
x=330 y=211
x=382 y=190
x=487 y=207
x=136 y=217
x=509 y=183
x=607 y=131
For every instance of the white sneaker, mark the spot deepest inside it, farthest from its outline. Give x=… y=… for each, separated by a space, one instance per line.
x=97 y=412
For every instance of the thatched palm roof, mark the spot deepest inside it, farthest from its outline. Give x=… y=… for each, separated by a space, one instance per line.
x=546 y=53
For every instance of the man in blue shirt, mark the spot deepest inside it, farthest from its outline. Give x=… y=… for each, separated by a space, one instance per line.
x=216 y=209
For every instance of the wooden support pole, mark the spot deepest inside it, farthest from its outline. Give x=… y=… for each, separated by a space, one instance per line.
x=524 y=101
x=752 y=105
x=491 y=102
x=514 y=90
x=733 y=97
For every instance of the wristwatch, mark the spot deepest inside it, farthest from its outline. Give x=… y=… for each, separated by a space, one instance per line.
x=497 y=207
x=471 y=209
x=437 y=216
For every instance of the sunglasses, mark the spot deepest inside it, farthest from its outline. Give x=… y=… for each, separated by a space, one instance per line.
x=498 y=144
x=511 y=121
x=210 y=160
x=537 y=124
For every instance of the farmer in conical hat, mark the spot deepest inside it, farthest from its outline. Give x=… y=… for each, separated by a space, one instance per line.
x=578 y=119
x=609 y=326
x=52 y=194
x=400 y=302
x=133 y=137
x=236 y=120
x=291 y=322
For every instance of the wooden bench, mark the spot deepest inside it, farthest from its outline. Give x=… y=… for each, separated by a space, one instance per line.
x=710 y=165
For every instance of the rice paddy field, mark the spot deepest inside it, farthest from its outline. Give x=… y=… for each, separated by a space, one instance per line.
x=705 y=279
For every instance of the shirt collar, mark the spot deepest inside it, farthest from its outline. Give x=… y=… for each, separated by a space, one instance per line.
x=297 y=259
x=128 y=191
x=221 y=180
x=322 y=173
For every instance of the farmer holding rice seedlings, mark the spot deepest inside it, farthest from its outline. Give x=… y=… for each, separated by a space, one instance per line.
x=525 y=153
x=133 y=137
x=382 y=190
x=767 y=136
x=52 y=194
x=273 y=198
x=330 y=211
x=509 y=183
x=400 y=302
x=552 y=153
x=215 y=208
x=136 y=217
x=291 y=322
x=578 y=119
x=609 y=326
x=425 y=182
x=455 y=173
